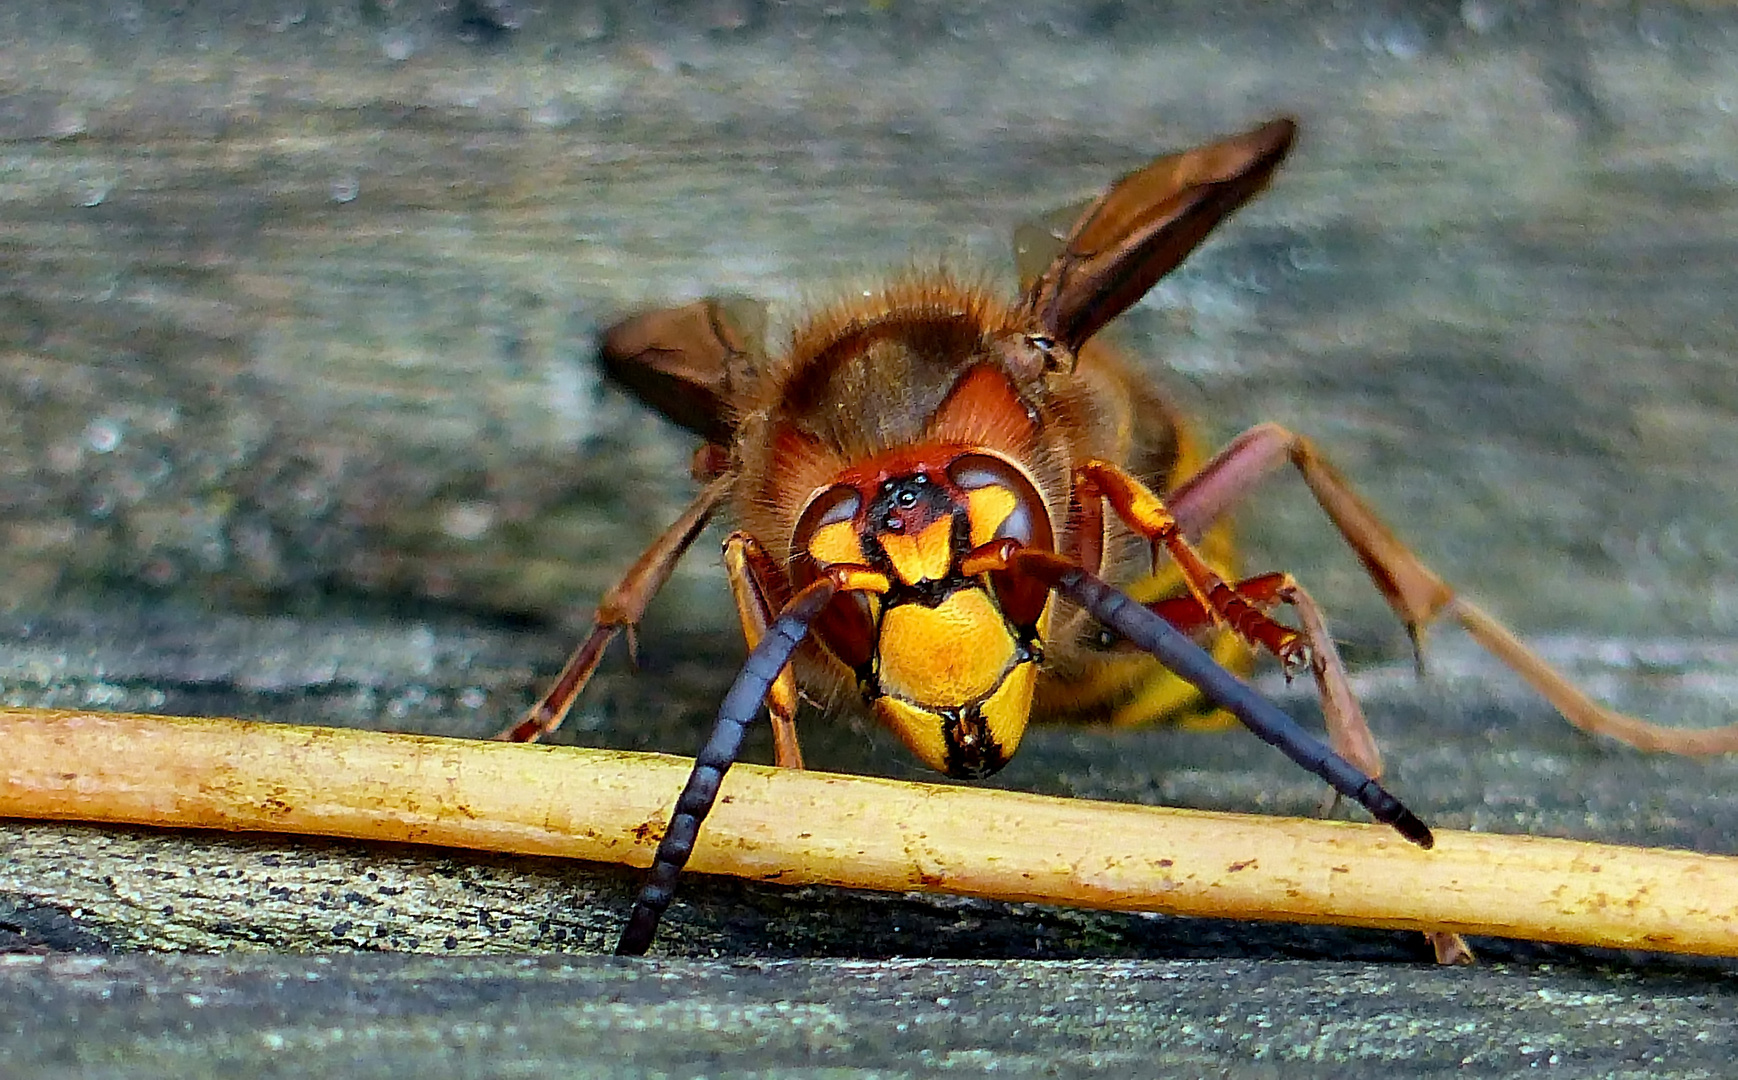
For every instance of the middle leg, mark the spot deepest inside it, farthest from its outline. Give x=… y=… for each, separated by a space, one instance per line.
x=756 y=584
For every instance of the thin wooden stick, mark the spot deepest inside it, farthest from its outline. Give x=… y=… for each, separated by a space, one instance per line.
x=807 y=828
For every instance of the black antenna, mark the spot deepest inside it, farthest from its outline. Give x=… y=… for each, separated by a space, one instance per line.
x=741 y=705
x=1135 y=622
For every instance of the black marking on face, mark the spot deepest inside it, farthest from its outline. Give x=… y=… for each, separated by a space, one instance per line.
x=972 y=752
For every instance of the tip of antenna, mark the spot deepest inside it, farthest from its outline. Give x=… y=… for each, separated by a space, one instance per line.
x=1408 y=825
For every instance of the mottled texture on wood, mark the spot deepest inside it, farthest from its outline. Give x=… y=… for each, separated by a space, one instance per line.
x=142 y=889
x=195 y=1017
x=1466 y=754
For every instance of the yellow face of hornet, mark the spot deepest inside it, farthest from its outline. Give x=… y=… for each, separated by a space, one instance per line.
x=948 y=662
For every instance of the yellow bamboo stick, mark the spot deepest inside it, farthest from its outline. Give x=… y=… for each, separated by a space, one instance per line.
x=816 y=828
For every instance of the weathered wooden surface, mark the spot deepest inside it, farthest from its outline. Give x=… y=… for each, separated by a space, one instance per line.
x=194 y=1017
x=297 y=421
x=1241 y=996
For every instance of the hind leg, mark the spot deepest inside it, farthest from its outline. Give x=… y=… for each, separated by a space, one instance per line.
x=1415 y=593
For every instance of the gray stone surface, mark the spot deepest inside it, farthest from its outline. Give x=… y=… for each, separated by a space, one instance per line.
x=299 y=423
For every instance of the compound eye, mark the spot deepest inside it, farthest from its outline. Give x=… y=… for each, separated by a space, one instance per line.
x=1001 y=502
x=827 y=534
x=827 y=530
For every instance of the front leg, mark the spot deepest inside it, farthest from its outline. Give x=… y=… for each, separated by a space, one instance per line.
x=1348 y=732
x=1240 y=607
x=1146 y=514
